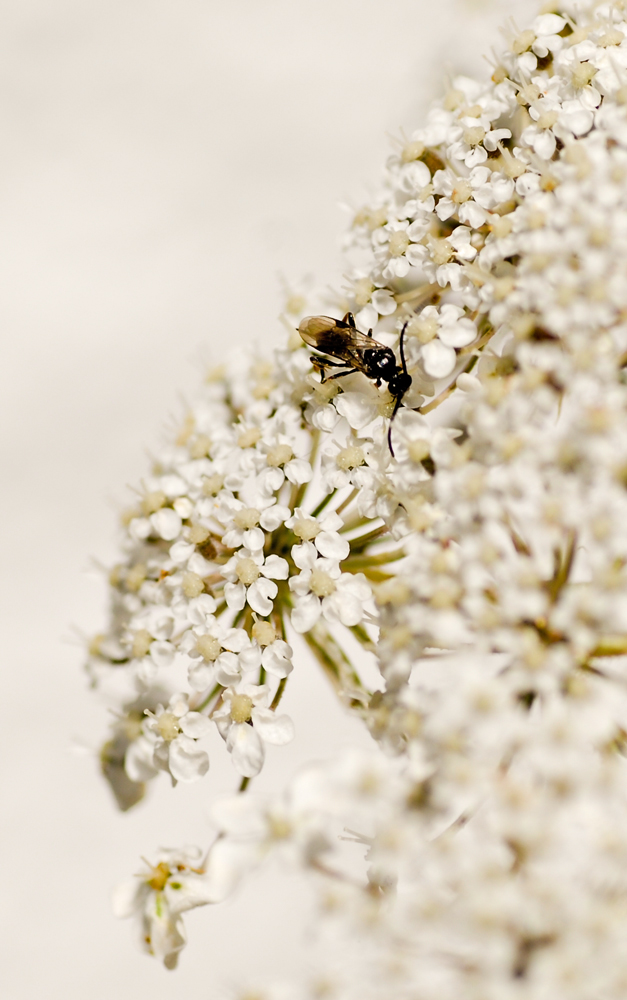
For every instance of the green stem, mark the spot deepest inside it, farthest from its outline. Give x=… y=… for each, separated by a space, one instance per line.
x=361 y=541
x=355 y=564
x=361 y=635
x=214 y=691
x=349 y=499
x=279 y=693
x=323 y=503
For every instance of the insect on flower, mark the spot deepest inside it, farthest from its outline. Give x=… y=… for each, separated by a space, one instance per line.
x=357 y=352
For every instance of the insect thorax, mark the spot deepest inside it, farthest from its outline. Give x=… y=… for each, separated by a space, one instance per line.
x=380 y=362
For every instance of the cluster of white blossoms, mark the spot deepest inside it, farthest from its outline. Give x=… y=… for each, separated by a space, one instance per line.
x=484 y=562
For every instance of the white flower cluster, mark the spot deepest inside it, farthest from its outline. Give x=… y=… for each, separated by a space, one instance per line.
x=494 y=540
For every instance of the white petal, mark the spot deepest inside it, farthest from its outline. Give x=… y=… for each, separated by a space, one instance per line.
x=472 y=214
x=579 y=122
x=200 y=607
x=200 y=675
x=192 y=891
x=306 y=613
x=235 y=595
x=276 y=659
x=187 y=763
x=544 y=144
x=195 y=724
x=138 y=760
x=305 y=555
x=343 y=607
x=227 y=669
x=439 y=360
x=276 y=568
x=275 y=729
x=548 y=24
x=235 y=640
x=162 y=653
x=332 y=545
x=254 y=539
x=383 y=301
x=298 y=471
x=458 y=334
x=166 y=523
x=325 y=418
x=260 y=596
x=274 y=516
x=271 y=480
x=367 y=317
x=181 y=551
x=358 y=408
x=246 y=748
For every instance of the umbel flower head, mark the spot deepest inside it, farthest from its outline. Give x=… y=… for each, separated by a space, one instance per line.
x=484 y=561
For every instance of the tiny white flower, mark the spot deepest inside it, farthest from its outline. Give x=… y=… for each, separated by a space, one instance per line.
x=246 y=722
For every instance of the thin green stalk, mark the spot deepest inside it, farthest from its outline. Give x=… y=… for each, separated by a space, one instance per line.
x=206 y=701
x=279 y=693
x=323 y=503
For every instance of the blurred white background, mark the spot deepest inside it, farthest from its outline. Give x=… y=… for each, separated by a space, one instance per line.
x=162 y=163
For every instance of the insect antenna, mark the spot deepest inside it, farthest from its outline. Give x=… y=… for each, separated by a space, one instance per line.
x=397 y=404
x=399 y=398
x=402 y=348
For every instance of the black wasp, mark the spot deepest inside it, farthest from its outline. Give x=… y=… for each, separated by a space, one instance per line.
x=357 y=352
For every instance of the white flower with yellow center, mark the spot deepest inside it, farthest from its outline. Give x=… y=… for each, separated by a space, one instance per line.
x=175 y=732
x=246 y=722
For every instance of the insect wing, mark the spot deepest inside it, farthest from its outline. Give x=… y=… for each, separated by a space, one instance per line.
x=338 y=339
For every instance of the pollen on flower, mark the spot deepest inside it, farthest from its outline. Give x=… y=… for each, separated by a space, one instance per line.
x=422 y=328
x=246 y=571
x=582 y=74
x=192 y=585
x=153 y=501
x=474 y=134
x=197 y=534
x=199 y=446
x=158 y=877
x=135 y=577
x=441 y=251
x=418 y=450
x=362 y=291
x=209 y=647
x=249 y=437
x=523 y=42
x=142 y=641
x=211 y=485
x=279 y=455
x=412 y=151
x=321 y=583
x=247 y=518
x=399 y=241
x=350 y=458
x=168 y=726
x=241 y=707
x=264 y=632
x=306 y=528
x=371 y=218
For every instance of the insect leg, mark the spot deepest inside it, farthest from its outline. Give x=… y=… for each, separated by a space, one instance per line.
x=322 y=362
x=397 y=403
x=338 y=375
